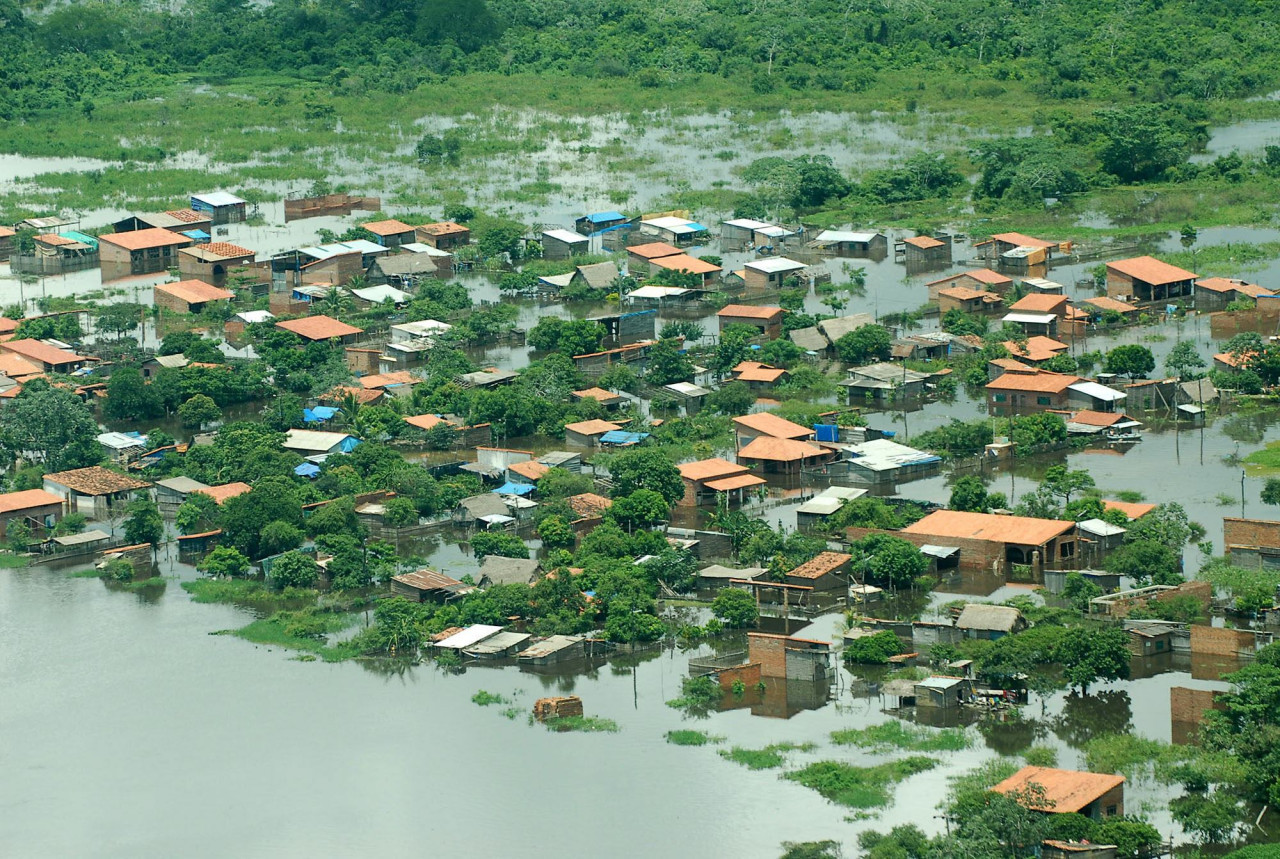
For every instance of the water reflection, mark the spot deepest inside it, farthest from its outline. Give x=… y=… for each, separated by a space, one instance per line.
x=1084 y=717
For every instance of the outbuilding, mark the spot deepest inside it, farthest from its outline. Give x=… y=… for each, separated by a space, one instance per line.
x=768 y=320
x=220 y=207
x=39 y=509
x=189 y=296
x=563 y=244
x=140 y=252
x=94 y=491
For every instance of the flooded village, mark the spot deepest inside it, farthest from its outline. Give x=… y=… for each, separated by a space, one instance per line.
x=778 y=536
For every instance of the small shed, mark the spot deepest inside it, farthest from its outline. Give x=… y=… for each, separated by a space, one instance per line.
x=851 y=243
x=563 y=244
x=718 y=576
x=1150 y=639
x=926 y=250
x=980 y=620
x=173 y=491
x=1101 y=533
x=468 y=637
x=220 y=207
x=500 y=646
x=428 y=586
x=588 y=433
x=553 y=650
x=597 y=222
x=942 y=692
x=827 y=571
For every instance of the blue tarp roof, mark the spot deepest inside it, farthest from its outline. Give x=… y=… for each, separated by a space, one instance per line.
x=515 y=489
x=694 y=225
x=198 y=235
x=307 y=469
x=82 y=238
x=348 y=444
x=319 y=414
x=623 y=437
x=601 y=217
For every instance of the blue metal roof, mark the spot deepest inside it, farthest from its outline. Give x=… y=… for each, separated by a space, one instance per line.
x=694 y=225
x=601 y=217
x=82 y=238
x=198 y=235
x=510 y=488
x=623 y=437
x=319 y=414
x=307 y=469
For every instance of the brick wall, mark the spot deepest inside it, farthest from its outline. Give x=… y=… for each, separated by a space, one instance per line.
x=363 y=362
x=1250 y=532
x=750 y=674
x=769 y=652
x=1218 y=641
x=1187 y=708
x=1202 y=591
x=170 y=302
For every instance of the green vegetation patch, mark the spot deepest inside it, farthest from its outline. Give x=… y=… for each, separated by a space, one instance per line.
x=586 y=724
x=10 y=561
x=302 y=630
x=1267 y=459
x=689 y=738
x=770 y=757
x=859 y=787
x=248 y=594
x=484 y=699
x=896 y=735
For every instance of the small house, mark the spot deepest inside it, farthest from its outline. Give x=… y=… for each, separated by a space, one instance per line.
x=460 y=639
x=718 y=576
x=967 y=300
x=553 y=650
x=1033 y=324
x=177 y=221
x=1104 y=305
x=94 y=491
x=827 y=571
x=39 y=509
x=444 y=235
x=1042 y=286
x=391 y=233
x=211 y=262
x=690 y=396
x=989 y=622
x=220 y=207
x=640 y=257
x=122 y=447
x=1057 y=849
x=382 y=294
x=1004 y=540
x=602 y=275
x=884 y=382
x=1037 y=349
x=563 y=244
x=685 y=264
x=881 y=461
x=849 y=243
x=497 y=570
x=943 y=693
x=784 y=456
x=171 y=492
x=1091 y=396
x=50 y=358
x=1042 y=302
x=1147 y=280
x=1215 y=293
x=814 y=512
x=140 y=252
x=589 y=225
x=789 y=657
x=321 y=329
x=1018 y=392
x=1150 y=639
x=319 y=442
x=57 y=253
x=428 y=586
x=768 y=320
x=758 y=377
x=981 y=279
x=588 y=433
x=670 y=228
x=1095 y=795
x=608 y=399
x=770 y=273
x=926 y=251
x=486 y=512
x=501 y=645
x=706 y=478
x=766 y=425
x=188 y=296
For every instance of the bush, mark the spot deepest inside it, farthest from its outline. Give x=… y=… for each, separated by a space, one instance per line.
x=872 y=649
x=737 y=608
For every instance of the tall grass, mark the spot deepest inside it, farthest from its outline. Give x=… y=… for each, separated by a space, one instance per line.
x=895 y=735
x=859 y=787
x=770 y=757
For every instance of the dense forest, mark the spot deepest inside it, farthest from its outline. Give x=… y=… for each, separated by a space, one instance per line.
x=1142 y=50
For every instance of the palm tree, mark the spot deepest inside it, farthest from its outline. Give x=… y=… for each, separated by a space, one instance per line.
x=337 y=302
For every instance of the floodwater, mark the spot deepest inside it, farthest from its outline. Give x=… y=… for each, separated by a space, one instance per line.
x=113 y=701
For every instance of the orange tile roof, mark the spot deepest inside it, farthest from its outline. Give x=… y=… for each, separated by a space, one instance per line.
x=924 y=242
x=772 y=425
x=986 y=275
x=738 y=481
x=1039 y=348
x=426 y=422
x=389 y=227
x=762 y=373
x=684 y=262
x=964 y=293
x=710 y=469
x=6 y=232
x=1065 y=791
x=8 y=325
x=598 y=394
x=96 y=480
x=1104 y=302
x=1088 y=417
x=588 y=504
x=1129 y=508
x=55 y=240
x=443 y=228
x=1151 y=270
x=223 y=249
x=654 y=250
x=42 y=352
x=779 y=450
x=364 y=396
x=1228 y=284
x=747 y=311
x=11 y=502
x=1020 y=530
x=1010 y=364
x=226 y=490
x=1039 y=302
x=382 y=380
x=194 y=291
x=1041 y=382
x=318 y=327
x=187 y=216
x=822 y=563
x=592 y=427
x=1023 y=241
x=16 y=367
x=153 y=237
x=530 y=468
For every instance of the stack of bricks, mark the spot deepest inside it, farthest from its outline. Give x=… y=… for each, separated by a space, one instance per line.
x=557 y=708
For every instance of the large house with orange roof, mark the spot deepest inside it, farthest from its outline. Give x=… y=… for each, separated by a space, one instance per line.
x=1098 y=796
x=1215 y=293
x=140 y=252
x=444 y=235
x=1021 y=392
x=1147 y=280
x=188 y=296
x=321 y=328
x=1009 y=539
x=392 y=233
x=768 y=320
x=979 y=279
x=50 y=358
x=212 y=261
x=784 y=455
x=706 y=478
x=747 y=428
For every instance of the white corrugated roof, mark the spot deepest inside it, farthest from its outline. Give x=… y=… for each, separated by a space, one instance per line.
x=1098 y=392
x=566 y=236
x=657 y=292
x=218 y=198
x=775 y=265
x=420 y=248
x=1033 y=318
x=379 y=294
x=747 y=224
x=844 y=236
x=469 y=636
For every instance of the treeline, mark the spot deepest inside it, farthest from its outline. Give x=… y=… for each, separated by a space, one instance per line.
x=1146 y=51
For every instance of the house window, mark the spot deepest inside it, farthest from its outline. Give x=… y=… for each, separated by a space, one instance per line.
x=1042 y=401
x=1066 y=550
x=1000 y=398
x=1159 y=646
x=1111 y=811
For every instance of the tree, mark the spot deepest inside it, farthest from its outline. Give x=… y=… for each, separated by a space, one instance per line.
x=629 y=621
x=736 y=607
x=1144 y=560
x=400 y=512
x=890 y=561
x=294 y=570
x=1140 y=142
x=224 y=562
x=143 y=523
x=733 y=399
x=970 y=494
x=1183 y=359
x=562 y=483
x=643 y=508
x=555 y=533
x=1090 y=655
x=1131 y=360
x=199 y=513
x=1063 y=483
x=569 y=337
x=336 y=517
x=129 y=397
x=667 y=365
x=496 y=543
x=1271 y=491
x=865 y=344
x=279 y=537
x=18 y=534
x=1079 y=591
x=646 y=468
x=245 y=517
x=874 y=649
x=198 y=411
x=1167 y=524
x=119 y=318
